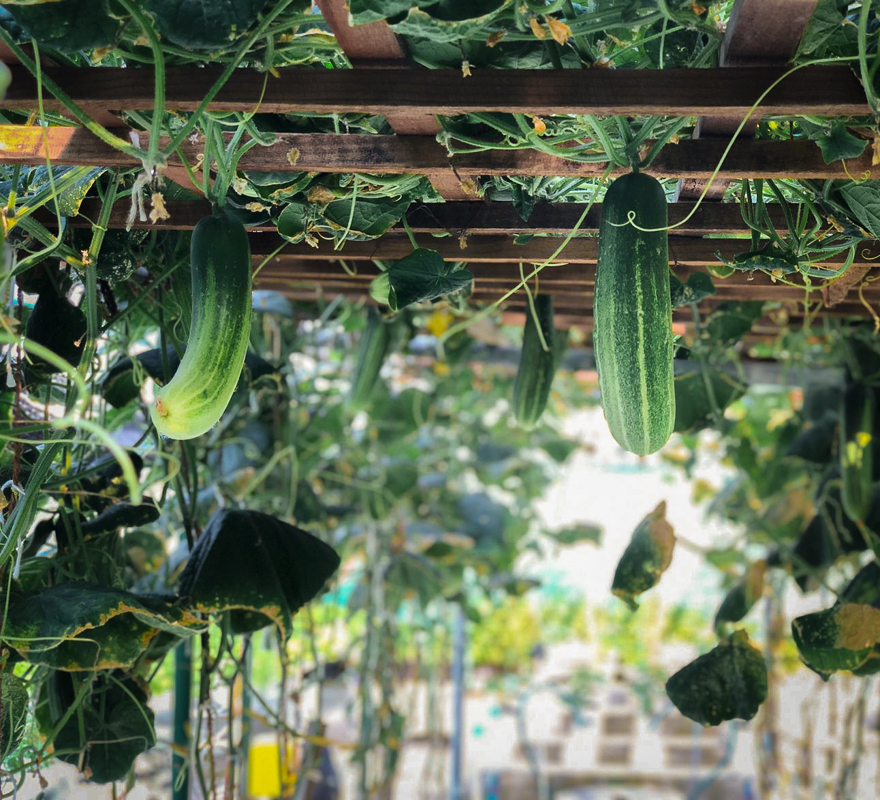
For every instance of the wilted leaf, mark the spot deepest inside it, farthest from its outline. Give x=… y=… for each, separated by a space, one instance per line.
x=78 y=626
x=259 y=568
x=729 y=682
x=838 y=638
x=112 y=726
x=646 y=558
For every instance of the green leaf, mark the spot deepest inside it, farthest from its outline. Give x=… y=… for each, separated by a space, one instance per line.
x=838 y=638
x=698 y=287
x=864 y=201
x=261 y=569
x=729 y=682
x=700 y=395
x=58 y=326
x=728 y=323
x=864 y=588
x=413 y=576
x=70 y=199
x=816 y=443
x=13 y=713
x=78 y=626
x=371 y=218
x=112 y=726
x=576 y=534
x=824 y=23
x=646 y=558
x=451 y=20
x=68 y=25
x=203 y=26
x=421 y=276
x=293 y=222
x=836 y=142
x=364 y=11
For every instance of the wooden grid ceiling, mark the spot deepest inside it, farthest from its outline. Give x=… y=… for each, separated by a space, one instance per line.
x=760 y=39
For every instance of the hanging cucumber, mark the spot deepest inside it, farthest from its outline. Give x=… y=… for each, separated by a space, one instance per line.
x=632 y=338
x=536 y=366
x=372 y=349
x=856 y=450
x=195 y=398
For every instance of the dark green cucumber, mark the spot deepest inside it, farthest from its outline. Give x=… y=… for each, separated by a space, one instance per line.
x=195 y=398
x=856 y=450
x=372 y=349
x=536 y=365
x=632 y=309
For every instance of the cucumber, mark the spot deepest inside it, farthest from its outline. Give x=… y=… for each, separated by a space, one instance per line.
x=536 y=366
x=372 y=349
x=195 y=398
x=632 y=309
x=856 y=450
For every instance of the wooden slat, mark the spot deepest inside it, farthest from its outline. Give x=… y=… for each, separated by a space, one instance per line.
x=467 y=219
x=821 y=91
x=759 y=33
x=683 y=251
x=395 y=155
x=375 y=45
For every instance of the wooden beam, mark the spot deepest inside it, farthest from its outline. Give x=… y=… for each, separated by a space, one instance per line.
x=461 y=219
x=683 y=251
x=820 y=91
x=760 y=33
x=376 y=45
x=418 y=155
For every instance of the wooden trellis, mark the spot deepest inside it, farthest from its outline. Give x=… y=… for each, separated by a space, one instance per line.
x=481 y=232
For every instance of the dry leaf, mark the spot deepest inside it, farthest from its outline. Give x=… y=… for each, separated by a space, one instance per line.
x=157 y=208
x=537 y=28
x=495 y=38
x=558 y=30
x=466 y=69
x=698 y=9
x=875 y=147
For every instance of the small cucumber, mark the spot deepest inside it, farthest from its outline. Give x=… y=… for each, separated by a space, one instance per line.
x=536 y=366
x=195 y=398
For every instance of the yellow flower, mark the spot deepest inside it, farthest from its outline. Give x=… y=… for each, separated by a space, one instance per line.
x=438 y=322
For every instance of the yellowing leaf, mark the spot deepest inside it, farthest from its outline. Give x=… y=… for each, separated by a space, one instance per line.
x=698 y=9
x=558 y=30
x=537 y=28
x=466 y=69
x=495 y=38
x=859 y=626
x=540 y=125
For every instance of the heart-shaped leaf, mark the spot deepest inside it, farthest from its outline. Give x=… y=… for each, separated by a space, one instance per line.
x=423 y=275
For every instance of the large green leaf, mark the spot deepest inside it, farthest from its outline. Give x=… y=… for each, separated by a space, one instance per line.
x=111 y=727
x=423 y=275
x=369 y=218
x=58 y=326
x=841 y=637
x=729 y=682
x=13 y=713
x=203 y=25
x=699 y=286
x=69 y=199
x=835 y=141
x=646 y=558
x=78 y=626
x=864 y=201
x=68 y=25
x=824 y=23
x=451 y=20
x=259 y=568
x=700 y=395
x=730 y=321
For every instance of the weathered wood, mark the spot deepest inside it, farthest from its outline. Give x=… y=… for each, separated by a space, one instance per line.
x=683 y=251
x=376 y=45
x=759 y=33
x=396 y=155
x=461 y=219
x=821 y=91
